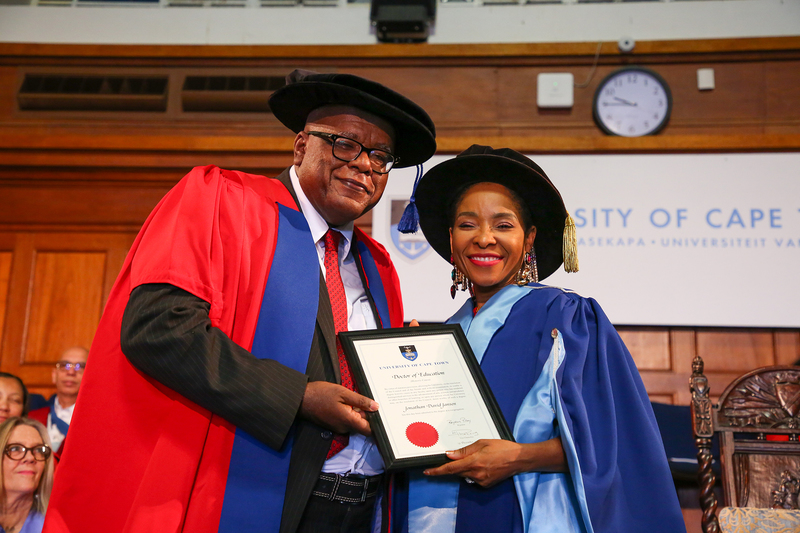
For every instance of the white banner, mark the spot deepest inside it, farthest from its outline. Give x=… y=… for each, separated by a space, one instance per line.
x=688 y=239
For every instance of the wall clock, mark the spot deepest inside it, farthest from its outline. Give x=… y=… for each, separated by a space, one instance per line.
x=632 y=101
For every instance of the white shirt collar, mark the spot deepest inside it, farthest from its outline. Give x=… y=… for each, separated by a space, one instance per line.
x=315 y=221
x=64 y=413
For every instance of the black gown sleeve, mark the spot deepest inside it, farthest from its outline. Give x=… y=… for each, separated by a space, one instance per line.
x=167 y=334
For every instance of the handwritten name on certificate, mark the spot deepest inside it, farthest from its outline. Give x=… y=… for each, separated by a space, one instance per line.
x=429 y=401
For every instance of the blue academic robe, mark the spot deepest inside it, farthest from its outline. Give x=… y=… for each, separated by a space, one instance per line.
x=557 y=368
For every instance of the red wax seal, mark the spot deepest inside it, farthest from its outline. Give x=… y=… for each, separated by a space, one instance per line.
x=422 y=434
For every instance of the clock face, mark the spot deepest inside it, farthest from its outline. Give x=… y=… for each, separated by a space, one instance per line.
x=632 y=102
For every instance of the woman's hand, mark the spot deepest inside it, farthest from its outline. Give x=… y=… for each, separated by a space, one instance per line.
x=490 y=461
x=487 y=462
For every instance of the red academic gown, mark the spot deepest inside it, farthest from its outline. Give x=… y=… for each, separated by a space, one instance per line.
x=41 y=415
x=140 y=456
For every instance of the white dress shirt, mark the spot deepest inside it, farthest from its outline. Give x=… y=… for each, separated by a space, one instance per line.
x=65 y=414
x=361 y=455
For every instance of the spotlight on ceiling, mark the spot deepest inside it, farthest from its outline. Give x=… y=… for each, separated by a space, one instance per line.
x=402 y=21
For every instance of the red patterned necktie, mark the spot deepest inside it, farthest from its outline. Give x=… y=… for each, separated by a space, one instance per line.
x=333 y=280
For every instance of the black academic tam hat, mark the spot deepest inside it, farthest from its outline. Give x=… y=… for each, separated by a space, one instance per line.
x=442 y=185
x=305 y=91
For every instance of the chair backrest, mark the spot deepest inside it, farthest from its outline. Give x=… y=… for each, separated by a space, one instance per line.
x=758 y=422
x=752 y=520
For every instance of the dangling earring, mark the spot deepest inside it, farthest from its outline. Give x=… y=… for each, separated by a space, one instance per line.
x=460 y=281
x=529 y=270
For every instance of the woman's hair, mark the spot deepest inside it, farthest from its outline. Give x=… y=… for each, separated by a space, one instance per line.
x=524 y=213
x=41 y=495
x=24 y=391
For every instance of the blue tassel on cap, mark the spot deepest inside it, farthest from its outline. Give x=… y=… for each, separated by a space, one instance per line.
x=409 y=222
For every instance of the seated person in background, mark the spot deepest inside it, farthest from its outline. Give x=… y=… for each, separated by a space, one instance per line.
x=36 y=401
x=27 y=475
x=13 y=396
x=67 y=376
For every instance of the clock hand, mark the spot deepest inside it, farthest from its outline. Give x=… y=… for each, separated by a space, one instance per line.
x=626 y=102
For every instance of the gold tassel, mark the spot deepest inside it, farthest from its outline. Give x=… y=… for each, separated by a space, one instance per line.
x=570 y=246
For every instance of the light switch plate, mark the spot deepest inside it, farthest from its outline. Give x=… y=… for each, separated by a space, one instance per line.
x=555 y=89
x=705 y=79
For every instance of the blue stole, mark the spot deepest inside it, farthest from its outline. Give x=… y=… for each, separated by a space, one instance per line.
x=375 y=283
x=257 y=476
x=547 y=501
x=62 y=426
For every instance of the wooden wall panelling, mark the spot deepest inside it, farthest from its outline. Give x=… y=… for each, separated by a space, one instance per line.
x=787 y=347
x=462 y=101
x=8 y=90
x=22 y=154
x=114 y=54
x=664 y=355
x=661 y=398
x=6 y=255
x=649 y=347
x=65 y=302
x=57 y=289
x=735 y=350
x=17 y=309
x=736 y=105
x=650 y=350
x=664 y=384
x=475 y=93
x=782 y=96
x=80 y=202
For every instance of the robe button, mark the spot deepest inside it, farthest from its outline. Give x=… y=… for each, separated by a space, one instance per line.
x=554 y=333
x=326 y=434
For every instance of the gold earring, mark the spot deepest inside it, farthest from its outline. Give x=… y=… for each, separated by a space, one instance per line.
x=529 y=270
x=460 y=281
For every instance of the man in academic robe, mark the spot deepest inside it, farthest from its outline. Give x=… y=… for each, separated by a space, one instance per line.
x=218 y=398
x=57 y=414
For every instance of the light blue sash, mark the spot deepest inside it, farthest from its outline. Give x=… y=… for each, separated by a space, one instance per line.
x=432 y=502
x=548 y=500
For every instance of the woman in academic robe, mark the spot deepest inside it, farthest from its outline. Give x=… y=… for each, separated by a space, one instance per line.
x=587 y=455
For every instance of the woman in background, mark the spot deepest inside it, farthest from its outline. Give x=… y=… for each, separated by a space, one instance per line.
x=13 y=396
x=27 y=475
x=587 y=455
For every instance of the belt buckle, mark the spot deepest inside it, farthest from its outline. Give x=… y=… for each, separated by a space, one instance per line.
x=364 y=494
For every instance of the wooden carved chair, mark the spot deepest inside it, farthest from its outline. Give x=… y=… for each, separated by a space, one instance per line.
x=758 y=423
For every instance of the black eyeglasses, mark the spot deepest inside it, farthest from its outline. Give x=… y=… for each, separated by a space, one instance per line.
x=346 y=149
x=17 y=452
x=67 y=367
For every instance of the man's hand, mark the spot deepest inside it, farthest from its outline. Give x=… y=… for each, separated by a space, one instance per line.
x=336 y=408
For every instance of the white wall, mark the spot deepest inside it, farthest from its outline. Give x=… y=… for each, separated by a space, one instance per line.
x=349 y=23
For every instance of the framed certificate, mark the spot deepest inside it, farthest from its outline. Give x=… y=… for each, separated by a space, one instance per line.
x=432 y=394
